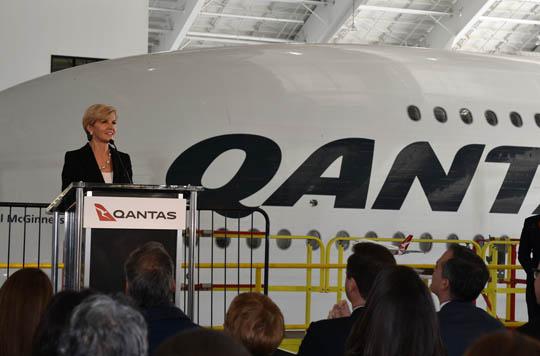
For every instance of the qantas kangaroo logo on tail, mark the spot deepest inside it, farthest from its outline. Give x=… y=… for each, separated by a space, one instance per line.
x=404 y=245
x=103 y=214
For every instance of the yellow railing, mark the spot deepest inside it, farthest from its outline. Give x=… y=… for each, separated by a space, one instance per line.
x=489 y=251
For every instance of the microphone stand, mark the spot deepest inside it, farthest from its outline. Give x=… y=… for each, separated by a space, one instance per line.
x=115 y=150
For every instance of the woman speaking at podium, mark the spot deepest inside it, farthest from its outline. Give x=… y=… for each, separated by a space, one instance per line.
x=98 y=161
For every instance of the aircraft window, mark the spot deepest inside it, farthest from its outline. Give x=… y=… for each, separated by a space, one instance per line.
x=223 y=242
x=314 y=233
x=491 y=117
x=516 y=119
x=371 y=235
x=254 y=242
x=398 y=235
x=425 y=246
x=284 y=244
x=537 y=119
x=440 y=114
x=414 y=113
x=344 y=243
x=466 y=116
x=451 y=237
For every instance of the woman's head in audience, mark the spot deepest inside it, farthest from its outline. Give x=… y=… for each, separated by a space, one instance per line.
x=504 y=343
x=400 y=318
x=256 y=321
x=54 y=321
x=201 y=342
x=23 y=299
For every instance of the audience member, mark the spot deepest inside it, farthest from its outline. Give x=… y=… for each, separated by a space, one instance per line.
x=55 y=320
x=103 y=326
x=201 y=342
x=400 y=319
x=150 y=282
x=328 y=337
x=504 y=343
x=459 y=277
x=256 y=321
x=23 y=299
x=532 y=328
x=529 y=257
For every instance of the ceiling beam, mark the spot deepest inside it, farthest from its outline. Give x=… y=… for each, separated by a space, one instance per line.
x=163 y=9
x=401 y=10
x=326 y=21
x=247 y=17
x=182 y=22
x=510 y=20
x=221 y=36
x=305 y=2
x=450 y=31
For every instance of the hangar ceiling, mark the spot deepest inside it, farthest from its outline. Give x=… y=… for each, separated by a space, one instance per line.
x=489 y=26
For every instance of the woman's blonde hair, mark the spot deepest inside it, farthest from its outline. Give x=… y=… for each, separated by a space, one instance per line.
x=256 y=321
x=96 y=112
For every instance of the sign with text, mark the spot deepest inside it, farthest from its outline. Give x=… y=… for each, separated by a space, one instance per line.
x=134 y=213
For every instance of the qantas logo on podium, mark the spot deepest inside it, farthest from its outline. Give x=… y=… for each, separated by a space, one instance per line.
x=134 y=213
x=103 y=214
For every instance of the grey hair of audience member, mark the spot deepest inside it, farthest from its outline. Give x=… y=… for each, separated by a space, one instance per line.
x=149 y=272
x=201 y=342
x=103 y=326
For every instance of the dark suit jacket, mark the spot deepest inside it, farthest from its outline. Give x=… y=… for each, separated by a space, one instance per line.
x=462 y=323
x=164 y=322
x=530 y=243
x=532 y=329
x=81 y=165
x=279 y=352
x=328 y=337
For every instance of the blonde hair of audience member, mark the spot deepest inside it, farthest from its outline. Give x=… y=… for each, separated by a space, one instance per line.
x=23 y=299
x=504 y=343
x=94 y=113
x=400 y=319
x=256 y=321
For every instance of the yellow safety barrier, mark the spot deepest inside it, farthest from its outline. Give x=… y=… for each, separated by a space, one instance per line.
x=340 y=266
x=29 y=265
x=489 y=252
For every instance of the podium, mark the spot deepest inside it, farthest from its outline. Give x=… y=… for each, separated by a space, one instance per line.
x=105 y=222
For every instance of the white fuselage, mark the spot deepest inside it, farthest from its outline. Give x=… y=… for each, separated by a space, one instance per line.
x=301 y=98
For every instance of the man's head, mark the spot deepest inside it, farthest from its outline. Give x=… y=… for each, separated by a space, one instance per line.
x=104 y=326
x=367 y=260
x=149 y=274
x=460 y=275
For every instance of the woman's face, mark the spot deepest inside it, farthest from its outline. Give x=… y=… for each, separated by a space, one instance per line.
x=103 y=130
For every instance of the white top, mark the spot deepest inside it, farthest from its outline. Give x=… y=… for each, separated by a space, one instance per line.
x=107 y=176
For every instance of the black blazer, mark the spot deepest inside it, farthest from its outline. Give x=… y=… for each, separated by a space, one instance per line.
x=529 y=243
x=462 y=323
x=328 y=337
x=164 y=322
x=81 y=165
x=532 y=329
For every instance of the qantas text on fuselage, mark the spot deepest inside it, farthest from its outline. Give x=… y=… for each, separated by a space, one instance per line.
x=444 y=190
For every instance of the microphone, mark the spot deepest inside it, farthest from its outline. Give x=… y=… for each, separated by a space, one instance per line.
x=115 y=150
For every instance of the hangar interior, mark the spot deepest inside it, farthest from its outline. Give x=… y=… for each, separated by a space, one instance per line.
x=31 y=32
x=491 y=26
